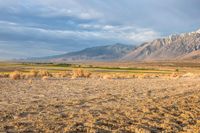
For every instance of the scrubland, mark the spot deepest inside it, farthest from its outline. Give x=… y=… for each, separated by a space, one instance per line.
x=105 y=100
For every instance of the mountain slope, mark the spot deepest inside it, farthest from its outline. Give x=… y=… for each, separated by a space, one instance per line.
x=99 y=53
x=195 y=55
x=174 y=47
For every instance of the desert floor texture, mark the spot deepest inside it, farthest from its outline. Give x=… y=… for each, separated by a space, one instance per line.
x=100 y=105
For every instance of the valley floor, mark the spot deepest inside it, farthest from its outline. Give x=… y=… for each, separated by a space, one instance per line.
x=100 y=105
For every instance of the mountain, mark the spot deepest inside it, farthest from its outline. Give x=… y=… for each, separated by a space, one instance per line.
x=185 y=46
x=99 y=53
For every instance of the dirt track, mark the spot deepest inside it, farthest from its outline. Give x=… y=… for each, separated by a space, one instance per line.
x=97 y=105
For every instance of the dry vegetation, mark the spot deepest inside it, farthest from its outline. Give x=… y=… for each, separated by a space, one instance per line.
x=82 y=100
x=16 y=75
x=82 y=73
x=97 y=105
x=44 y=74
x=3 y=75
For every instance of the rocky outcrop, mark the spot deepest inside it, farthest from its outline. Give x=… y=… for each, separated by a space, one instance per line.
x=174 y=47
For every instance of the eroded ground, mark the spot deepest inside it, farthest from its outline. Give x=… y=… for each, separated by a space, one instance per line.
x=100 y=105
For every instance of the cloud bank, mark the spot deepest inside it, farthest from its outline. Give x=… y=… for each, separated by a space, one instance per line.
x=40 y=28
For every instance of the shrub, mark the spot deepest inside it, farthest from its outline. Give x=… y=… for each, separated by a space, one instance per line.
x=62 y=74
x=23 y=76
x=15 y=75
x=33 y=73
x=43 y=73
x=87 y=74
x=3 y=75
x=80 y=73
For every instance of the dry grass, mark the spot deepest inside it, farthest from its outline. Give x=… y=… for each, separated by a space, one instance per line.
x=62 y=74
x=80 y=73
x=3 y=75
x=140 y=102
x=33 y=73
x=93 y=105
x=16 y=75
x=43 y=73
x=83 y=73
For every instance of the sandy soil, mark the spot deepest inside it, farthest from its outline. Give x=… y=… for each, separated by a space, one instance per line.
x=97 y=105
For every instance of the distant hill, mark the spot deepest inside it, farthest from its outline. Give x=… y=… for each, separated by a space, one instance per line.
x=99 y=53
x=185 y=46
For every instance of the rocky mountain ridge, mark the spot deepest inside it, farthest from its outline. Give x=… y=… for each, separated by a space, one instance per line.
x=174 y=47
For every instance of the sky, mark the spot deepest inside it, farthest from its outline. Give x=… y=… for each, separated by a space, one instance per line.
x=35 y=28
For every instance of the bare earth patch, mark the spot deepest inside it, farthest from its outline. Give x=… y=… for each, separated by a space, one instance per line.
x=100 y=105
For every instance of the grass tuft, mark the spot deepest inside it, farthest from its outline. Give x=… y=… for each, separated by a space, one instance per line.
x=80 y=73
x=43 y=73
x=16 y=75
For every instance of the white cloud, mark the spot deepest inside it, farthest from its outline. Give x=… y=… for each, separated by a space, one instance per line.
x=123 y=32
x=145 y=35
x=51 y=8
x=68 y=12
x=129 y=34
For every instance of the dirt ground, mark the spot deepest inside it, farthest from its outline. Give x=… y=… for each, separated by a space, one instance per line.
x=100 y=105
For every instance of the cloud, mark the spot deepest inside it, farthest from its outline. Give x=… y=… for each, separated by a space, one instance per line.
x=22 y=41
x=49 y=9
x=50 y=27
x=128 y=34
x=145 y=35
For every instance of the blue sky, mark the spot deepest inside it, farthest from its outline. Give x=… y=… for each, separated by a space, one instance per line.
x=32 y=28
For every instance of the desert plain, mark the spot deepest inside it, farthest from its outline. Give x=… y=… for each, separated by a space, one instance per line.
x=165 y=99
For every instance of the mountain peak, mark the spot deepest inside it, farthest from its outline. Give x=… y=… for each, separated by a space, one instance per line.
x=170 y=48
x=198 y=31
